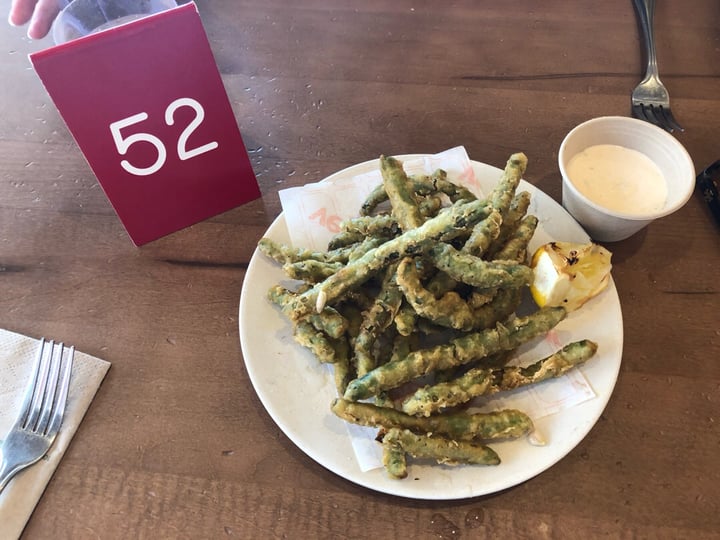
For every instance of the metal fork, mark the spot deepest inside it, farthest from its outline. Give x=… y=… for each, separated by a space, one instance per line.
x=42 y=410
x=650 y=99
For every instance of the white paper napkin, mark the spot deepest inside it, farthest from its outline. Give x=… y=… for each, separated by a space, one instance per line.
x=17 y=357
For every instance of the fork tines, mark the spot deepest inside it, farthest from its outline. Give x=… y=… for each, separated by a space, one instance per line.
x=44 y=404
x=656 y=114
x=42 y=411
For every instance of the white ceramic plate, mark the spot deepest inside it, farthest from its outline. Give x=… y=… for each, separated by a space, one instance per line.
x=297 y=391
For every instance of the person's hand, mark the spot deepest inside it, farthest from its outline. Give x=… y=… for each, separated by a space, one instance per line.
x=40 y=14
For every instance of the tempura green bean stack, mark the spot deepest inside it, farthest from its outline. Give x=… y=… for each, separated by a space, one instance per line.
x=414 y=305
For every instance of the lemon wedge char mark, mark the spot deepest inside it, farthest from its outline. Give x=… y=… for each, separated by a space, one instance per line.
x=569 y=274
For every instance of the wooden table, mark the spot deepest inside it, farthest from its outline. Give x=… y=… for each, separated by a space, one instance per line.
x=177 y=444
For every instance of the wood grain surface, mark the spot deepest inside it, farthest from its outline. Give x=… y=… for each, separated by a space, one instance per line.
x=176 y=443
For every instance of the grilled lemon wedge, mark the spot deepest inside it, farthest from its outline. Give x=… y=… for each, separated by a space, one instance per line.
x=569 y=274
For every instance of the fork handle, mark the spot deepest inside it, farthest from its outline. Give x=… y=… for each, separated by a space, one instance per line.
x=645 y=11
x=7 y=471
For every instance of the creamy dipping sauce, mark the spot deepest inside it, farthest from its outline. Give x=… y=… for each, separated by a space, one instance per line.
x=618 y=179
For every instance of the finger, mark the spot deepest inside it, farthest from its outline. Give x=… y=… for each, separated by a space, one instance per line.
x=21 y=11
x=42 y=18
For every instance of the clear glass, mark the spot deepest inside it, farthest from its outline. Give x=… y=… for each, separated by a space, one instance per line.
x=83 y=17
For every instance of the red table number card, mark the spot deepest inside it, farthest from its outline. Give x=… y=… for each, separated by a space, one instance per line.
x=147 y=107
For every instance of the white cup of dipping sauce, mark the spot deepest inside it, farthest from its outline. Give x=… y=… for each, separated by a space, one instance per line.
x=619 y=174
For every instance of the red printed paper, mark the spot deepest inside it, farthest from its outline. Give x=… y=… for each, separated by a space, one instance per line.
x=146 y=105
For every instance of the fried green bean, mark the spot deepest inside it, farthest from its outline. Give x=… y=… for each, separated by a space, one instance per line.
x=441 y=449
x=405 y=320
x=461 y=426
x=372 y=226
x=483 y=234
x=518 y=208
x=477 y=272
x=317 y=341
x=481 y=297
x=448 y=222
x=280 y=296
x=429 y=206
x=284 y=254
x=494 y=361
x=393 y=458
x=376 y=197
x=402 y=199
x=482 y=309
x=440 y=284
x=357 y=229
x=371 y=242
x=438 y=182
x=376 y=320
x=483 y=381
x=345 y=239
x=429 y=328
x=342 y=370
x=456 y=352
x=339 y=254
x=504 y=191
x=515 y=249
x=479 y=241
x=311 y=270
x=423 y=185
x=502 y=305
x=450 y=310
x=329 y=320
x=555 y=365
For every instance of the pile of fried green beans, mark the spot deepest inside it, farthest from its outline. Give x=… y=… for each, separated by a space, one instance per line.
x=414 y=305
